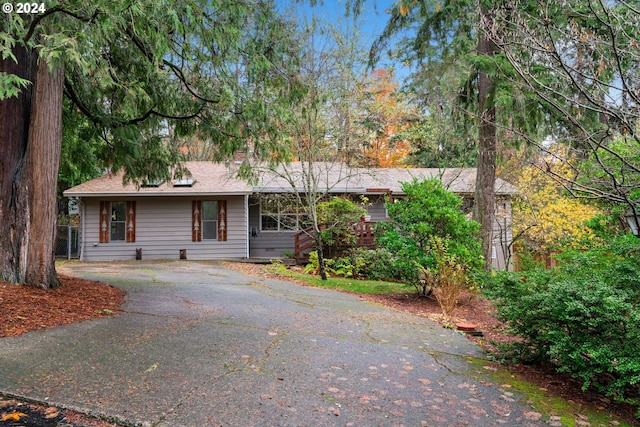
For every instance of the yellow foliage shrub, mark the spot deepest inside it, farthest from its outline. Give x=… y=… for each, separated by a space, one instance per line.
x=545 y=217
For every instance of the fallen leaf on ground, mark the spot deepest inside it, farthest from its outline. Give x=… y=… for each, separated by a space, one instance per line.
x=14 y=416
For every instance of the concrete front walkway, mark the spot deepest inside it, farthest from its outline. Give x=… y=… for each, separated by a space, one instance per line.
x=202 y=345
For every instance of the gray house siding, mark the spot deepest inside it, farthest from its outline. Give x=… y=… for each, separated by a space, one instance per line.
x=163 y=228
x=377 y=210
x=271 y=244
x=274 y=244
x=164 y=213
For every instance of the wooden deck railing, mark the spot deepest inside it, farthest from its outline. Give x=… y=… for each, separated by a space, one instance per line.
x=304 y=240
x=364 y=234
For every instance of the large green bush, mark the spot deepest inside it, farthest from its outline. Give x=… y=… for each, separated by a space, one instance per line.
x=583 y=316
x=428 y=210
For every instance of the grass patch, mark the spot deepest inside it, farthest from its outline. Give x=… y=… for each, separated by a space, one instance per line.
x=371 y=287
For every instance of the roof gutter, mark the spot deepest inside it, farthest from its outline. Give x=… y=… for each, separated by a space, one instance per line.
x=145 y=194
x=280 y=190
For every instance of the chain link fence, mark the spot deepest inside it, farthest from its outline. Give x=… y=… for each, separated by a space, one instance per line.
x=67 y=241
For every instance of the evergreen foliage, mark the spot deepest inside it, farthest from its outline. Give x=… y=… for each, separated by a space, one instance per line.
x=145 y=75
x=337 y=218
x=583 y=317
x=427 y=211
x=134 y=78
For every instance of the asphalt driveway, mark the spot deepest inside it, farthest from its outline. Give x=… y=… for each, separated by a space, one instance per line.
x=203 y=345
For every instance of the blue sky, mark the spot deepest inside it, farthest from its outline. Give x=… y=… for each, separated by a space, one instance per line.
x=372 y=20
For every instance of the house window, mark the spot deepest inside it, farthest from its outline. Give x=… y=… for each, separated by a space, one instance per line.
x=281 y=212
x=117 y=221
x=209 y=220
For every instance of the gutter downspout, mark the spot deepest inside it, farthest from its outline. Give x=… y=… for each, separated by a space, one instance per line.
x=246 y=218
x=82 y=223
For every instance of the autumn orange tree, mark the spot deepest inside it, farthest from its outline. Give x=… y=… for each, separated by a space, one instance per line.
x=386 y=114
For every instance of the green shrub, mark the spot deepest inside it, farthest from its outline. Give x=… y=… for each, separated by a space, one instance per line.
x=339 y=215
x=338 y=267
x=583 y=316
x=361 y=263
x=374 y=264
x=314 y=263
x=428 y=210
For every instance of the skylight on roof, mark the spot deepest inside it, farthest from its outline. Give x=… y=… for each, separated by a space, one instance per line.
x=184 y=182
x=153 y=183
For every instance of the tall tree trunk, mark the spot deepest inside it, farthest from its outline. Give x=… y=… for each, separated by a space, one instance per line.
x=14 y=190
x=30 y=141
x=43 y=159
x=484 y=205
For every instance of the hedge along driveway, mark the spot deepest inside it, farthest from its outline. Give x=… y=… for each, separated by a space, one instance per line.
x=202 y=345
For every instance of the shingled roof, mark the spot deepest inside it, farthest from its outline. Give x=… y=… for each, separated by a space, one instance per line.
x=458 y=180
x=208 y=179
x=338 y=178
x=218 y=179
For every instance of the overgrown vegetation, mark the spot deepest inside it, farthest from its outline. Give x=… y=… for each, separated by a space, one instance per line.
x=450 y=278
x=545 y=218
x=582 y=316
x=359 y=263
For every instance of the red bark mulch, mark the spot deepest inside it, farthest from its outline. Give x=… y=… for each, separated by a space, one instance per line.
x=25 y=308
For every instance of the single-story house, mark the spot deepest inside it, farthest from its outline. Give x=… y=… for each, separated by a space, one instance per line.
x=212 y=214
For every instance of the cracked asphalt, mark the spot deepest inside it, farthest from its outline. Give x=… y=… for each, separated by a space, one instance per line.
x=202 y=345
